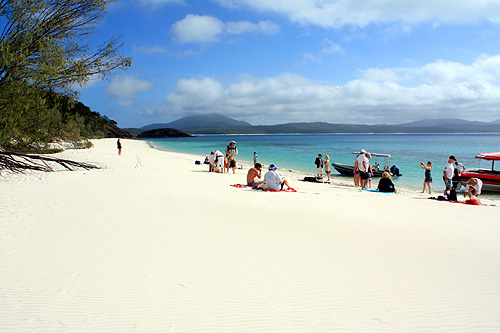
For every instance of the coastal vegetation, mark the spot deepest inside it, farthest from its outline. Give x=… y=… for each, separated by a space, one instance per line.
x=46 y=52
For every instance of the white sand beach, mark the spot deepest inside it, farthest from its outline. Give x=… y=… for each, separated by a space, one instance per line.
x=154 y=243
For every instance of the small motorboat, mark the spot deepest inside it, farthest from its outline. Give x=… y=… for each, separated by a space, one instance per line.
x=489 y=176
x=348 y=170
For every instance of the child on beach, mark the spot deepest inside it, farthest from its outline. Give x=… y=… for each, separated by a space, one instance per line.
x=428 y=177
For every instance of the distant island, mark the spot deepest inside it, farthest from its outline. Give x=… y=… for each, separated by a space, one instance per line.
x=220 y=124
x=163 y=133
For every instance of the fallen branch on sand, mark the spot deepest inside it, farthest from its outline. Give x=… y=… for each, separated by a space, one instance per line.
x=20 y=163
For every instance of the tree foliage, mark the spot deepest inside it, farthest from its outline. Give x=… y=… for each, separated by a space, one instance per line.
x=45 y=52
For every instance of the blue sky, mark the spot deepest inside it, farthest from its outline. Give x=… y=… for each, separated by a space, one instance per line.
x=277 y=61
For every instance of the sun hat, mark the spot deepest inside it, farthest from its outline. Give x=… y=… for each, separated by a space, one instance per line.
x=272 y=166
x=362 y=151
x=233 y=142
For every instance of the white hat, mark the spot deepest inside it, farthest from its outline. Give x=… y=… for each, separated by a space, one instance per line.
x=362 y=151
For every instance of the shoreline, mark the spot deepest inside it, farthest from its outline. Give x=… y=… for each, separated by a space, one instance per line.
x=153 y=242
x=339 y=180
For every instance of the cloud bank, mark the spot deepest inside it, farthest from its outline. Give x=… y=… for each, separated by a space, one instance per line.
x=441 y=89
x=360 y=13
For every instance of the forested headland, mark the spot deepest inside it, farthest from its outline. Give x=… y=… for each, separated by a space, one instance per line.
x=46 y=52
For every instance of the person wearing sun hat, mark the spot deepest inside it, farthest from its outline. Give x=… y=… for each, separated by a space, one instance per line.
x=274 y=180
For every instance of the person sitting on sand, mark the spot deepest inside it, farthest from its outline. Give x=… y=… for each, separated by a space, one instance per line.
x=428 y=177
x=474 y=184
x=274 y=180
x=385 y=184
x=254 y=175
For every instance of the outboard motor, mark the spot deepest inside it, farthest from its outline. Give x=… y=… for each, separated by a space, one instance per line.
x=395 y=170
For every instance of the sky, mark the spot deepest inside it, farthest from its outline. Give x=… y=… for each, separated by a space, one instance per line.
x=279 y=61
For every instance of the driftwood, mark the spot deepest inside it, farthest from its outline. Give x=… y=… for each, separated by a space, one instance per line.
x=20 y=163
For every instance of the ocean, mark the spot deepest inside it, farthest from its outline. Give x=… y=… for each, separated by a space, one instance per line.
x=298 y=151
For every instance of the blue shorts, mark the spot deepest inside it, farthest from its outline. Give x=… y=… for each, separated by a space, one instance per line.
x=448 y=184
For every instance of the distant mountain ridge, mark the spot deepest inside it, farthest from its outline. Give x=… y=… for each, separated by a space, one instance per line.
x=201 y=121
x=219 y=124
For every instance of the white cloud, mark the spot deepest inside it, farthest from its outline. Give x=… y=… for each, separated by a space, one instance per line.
x=197 y=29
x=379 y=95
x=330 y=47
x=151 y=49
x=335 y=13
x=125 y=88
x=241 y=27
x=207 y=29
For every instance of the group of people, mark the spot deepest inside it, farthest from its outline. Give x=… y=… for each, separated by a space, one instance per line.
x=220 y=163
x=451 y=178
x=363 y=173
x=272 y=180
x=320 y=164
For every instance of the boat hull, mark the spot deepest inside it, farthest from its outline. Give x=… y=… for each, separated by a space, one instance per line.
x=348 y=170
x=490 y=179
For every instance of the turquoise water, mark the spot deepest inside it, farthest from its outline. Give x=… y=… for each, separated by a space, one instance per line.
x=298 y=151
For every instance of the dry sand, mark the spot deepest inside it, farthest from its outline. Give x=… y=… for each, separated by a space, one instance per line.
x=153 y=242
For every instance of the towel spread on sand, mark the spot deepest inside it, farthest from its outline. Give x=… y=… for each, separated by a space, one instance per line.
x=243 y=186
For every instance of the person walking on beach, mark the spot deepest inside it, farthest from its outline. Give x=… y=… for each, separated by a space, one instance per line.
x=448 y=174
x=255 y=158
x=327 y=167
x=119 y=146
x=319 y=166
x=357 y=179
x=274 y=180
x=232 y=151
x=254 y=175
x=428 y=177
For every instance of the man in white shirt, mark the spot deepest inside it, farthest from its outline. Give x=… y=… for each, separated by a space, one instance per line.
x=274 y=180
x=363 y=167
x=448 y=174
